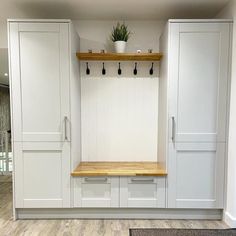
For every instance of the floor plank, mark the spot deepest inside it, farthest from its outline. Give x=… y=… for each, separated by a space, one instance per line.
x=8 y=227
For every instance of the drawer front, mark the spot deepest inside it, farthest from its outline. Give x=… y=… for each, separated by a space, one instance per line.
x=96 y=192
x=143 y=192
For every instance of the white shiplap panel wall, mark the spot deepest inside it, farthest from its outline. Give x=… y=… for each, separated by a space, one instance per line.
x=119 y=115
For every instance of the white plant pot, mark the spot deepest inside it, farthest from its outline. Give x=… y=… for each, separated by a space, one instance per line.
x=120 y=46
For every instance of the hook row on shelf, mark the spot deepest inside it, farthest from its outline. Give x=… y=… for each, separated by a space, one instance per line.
x=119 y=71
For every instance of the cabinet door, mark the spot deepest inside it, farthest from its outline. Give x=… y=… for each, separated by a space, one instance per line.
x=39 y=62
x=142 y=192
x=39 y=57
x=96 y=192
x=199 y=65
x=196 y=175
x=42 y=174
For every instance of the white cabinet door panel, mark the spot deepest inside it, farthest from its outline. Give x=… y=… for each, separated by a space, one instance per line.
x=142 y=192
x=199 y=74
x=40 y=56
x=39 y=27
x=196 y=175
x=197 y=110
x=40 y=99
x=42 y=175
x=96 y=192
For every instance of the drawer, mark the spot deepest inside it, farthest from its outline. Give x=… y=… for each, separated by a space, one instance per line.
x=96 y=192
x=143 y=192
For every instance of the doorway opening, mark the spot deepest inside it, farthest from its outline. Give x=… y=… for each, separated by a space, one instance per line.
x=5 y=127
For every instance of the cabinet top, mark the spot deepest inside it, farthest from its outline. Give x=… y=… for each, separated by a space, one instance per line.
x=119 y=169
x=41 y=20
x=170 y=20
x=200 y=21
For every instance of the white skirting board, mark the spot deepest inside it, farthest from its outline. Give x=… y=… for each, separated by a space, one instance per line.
x=230 y=220
x=112 y=213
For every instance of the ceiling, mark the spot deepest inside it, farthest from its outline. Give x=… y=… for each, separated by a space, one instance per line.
x=110 y=9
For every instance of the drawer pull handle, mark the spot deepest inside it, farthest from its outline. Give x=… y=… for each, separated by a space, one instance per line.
x=142 y=180
x=100 y=180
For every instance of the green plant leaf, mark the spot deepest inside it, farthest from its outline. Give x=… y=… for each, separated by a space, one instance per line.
x=120 y=32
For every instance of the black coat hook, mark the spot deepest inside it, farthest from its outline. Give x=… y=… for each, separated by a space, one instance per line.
x=135 y=69
x=103 y=69
x=119 y=70
x=87 y=69
x=151 y=70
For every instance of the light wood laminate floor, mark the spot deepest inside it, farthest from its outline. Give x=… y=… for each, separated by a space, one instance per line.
x=8 y=227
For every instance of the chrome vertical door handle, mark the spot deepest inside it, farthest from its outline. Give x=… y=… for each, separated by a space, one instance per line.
x=173 y=128
x=65 y=126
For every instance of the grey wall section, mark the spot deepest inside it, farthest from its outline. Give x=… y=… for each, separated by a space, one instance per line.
x=5 y=120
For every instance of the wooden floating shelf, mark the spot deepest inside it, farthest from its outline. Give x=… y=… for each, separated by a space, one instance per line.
x=119 y=56
x=119 y=169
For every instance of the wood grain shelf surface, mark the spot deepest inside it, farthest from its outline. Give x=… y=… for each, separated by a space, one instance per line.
x=119 y=169
x=119 y=56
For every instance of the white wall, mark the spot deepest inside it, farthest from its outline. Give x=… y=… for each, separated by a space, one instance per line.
x=96 y=35
x=3 y=34
x=4 y=66
x=3 y=53
x=230 y=212
x=119 y=113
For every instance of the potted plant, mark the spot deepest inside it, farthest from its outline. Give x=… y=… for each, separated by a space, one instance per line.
x=120 y=35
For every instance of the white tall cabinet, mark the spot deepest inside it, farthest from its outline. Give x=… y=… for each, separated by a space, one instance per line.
x=44 y=91
x=192 y=130
x=194 y=83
